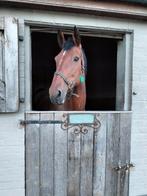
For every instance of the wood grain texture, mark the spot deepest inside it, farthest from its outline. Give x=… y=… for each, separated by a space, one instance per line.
x=11 y=64
x=60 y=162
x=112 y=156
x=74 y=159
x=99 y=157
x=124 y=73
x=60 y=159
x=1 y=23
x=89 y=7
x=124 y=152
x=21 y=32
x=86 y=163
x=2 y=82
x=32 y=157
x=46 y=156
x=120 y=93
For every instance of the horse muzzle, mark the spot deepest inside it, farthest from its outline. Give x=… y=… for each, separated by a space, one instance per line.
x=58 y=97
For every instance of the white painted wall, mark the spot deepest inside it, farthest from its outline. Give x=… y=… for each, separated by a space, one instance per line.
x=12 y=136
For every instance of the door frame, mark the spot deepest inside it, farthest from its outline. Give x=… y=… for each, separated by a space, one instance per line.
x=124 y=58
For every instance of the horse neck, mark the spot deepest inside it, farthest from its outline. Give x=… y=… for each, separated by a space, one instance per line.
x=78 y=103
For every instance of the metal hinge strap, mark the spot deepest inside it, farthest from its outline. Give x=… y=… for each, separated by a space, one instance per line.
x=26 y=122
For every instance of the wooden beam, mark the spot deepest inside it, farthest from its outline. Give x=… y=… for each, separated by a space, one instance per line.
x=101 y=8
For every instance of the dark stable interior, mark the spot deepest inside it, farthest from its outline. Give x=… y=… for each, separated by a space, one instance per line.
x=101 y=56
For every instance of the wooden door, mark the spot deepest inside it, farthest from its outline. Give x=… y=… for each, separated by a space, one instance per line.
x=62 y=163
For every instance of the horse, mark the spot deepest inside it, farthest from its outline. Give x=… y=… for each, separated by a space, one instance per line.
x=68 y=87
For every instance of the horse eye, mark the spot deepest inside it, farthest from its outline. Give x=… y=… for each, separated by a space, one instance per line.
x=76 y=58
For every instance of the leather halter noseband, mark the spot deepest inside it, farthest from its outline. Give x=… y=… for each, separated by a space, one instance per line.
x=70 y=84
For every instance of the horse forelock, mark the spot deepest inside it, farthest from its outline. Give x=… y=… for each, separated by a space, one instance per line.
x=69 y=44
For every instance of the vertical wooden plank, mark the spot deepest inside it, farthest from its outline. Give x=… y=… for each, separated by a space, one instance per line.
x=28 y=69
x=124 y=151
x=1 y=55
x=73 y=163
x=87 y=163
x=128 y=71
x=112 y=157
x=120 y=93
x=1 y=23
x=46 y=156
x=2 y=82
x=124 y=72
x=99 y=158
x=60 y=159
x=21 y=58
x=32 y=156
x=11 y=64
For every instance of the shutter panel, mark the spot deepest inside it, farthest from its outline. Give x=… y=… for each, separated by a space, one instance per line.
x=9 y=89
x=2 y=83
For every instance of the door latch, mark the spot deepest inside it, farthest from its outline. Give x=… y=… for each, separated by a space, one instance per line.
x=125 y=167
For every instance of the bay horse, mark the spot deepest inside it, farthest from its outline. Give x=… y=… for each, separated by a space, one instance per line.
x=68 y=88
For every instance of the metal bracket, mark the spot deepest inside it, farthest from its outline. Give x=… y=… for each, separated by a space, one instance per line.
x=80 y=127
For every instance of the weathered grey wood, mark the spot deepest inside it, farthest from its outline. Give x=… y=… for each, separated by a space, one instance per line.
x=28 y=68
x=74 y=148
x=2 y=83
x=94 y=7
x=46 y=156
x=112 y=156
x=86 y=163
x=60 y=159
x=2 y=96
x=32 y=157
x=99 y=158
x=59 y=162
x=124 y=152
x=120 y=75
x=124 y=61
x=128 y=70
x=1 y=23
x=21 y=27
x=1 y=55
x=11 y=64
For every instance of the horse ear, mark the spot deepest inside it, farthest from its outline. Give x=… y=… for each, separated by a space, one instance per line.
x=76 y=36
x=60 y=38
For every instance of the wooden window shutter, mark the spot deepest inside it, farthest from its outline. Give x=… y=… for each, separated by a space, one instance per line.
x=9 y=88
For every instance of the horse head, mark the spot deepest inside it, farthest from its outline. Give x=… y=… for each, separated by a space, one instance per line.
x=70 y=68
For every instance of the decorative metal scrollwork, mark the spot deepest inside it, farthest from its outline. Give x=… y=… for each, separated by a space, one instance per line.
x=80 y=127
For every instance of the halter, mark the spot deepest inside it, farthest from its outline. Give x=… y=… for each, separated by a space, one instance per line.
x=70 y=84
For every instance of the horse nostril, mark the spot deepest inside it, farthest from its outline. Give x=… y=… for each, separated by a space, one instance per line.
x=59 y=93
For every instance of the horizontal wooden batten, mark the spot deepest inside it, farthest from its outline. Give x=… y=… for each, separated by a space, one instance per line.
x=101 y=8
x=84 y=31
